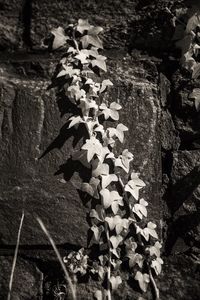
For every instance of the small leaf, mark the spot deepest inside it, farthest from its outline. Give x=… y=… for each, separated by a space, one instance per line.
x=115 y=282
x=59 y=37
x=92 y=146
x=98 y=295
x=111 y=112
x=83 y=25
x=156 y=264
x=107 y=179
x=91 y=40
x=105 y=84
x=116 y=240
x=100 y=63
x=143 y=280
x=192 y=23
x=82 y=56
x=98 y=213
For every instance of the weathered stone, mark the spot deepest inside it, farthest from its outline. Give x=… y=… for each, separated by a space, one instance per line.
x=169 y=135
x=180 y=279
x=183 y=202
x=185 y=178
x=27 y=280
x=30 y=127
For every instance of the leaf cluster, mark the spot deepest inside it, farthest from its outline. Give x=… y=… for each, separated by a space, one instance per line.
x=118 y=219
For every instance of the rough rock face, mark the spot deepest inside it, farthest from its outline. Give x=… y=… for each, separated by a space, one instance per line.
x=36 y=172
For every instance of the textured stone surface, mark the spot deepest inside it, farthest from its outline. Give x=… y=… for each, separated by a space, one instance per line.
x=30 y=125
x=180 y=279
x=27 y=280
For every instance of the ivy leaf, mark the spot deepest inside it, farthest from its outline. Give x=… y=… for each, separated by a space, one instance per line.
x=140 y=209
x=196 y=71
x=75 y=92
x=192 y=23
x=82 y=56
x=95 y=30
x=68 y=70
x=59 y=37
x=118 y=132
x=98 y=295
x=83 y=25
x=93 y=147
x=91 y=187
x=107 y=179
x=112 y=199
x=74 y=121
x=97 y=230
x=155 y=250
x=105 y=83
x=156 y=264
x=196 y=96
x=98 y=213
x=135 y=258
x=111 y=112
x=124 y=160
x=86 y=105
x=143 y=280
x=99 y=62
x=101 y=169
x=117 y=223
x=93 y=40
x=115 y=282
x=134 y=185
x=116 y=240
x=147 y=231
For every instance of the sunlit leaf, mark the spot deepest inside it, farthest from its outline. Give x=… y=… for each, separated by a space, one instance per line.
x=156 y=264
x=60 y=37
x=135 y=258
x=110 y=112
x=98 y=295
x=140 y=208
x=116 y=240
x=99 y=62
x=83 y=25
x=105 y=83
x=196 y=96
x=107 y=179
x=143 y=280
x=115 y=282
x=91 y=40
x=92 y=146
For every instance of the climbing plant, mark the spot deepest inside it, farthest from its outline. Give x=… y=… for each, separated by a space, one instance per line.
x=120 y=231
x=187 y=33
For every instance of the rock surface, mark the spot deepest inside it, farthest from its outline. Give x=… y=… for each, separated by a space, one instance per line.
x=163 y=135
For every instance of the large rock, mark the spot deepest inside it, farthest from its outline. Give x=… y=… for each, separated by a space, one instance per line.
x=31 y=122
x=27 y=280
x=180 y=279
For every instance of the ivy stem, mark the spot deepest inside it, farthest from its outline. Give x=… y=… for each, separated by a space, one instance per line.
x=109 y=263
x=75 y=43
x=156 y=290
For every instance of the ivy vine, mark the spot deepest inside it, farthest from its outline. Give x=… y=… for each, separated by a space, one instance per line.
x=187 y=33
x=121 y=232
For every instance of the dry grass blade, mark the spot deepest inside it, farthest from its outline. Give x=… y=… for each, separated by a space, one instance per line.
x=68 y=279
x=15 y=256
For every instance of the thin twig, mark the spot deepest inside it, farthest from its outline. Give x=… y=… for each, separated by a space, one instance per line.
x=68 y=279
x=156 y=290
x=109 y=297
x=15 y=256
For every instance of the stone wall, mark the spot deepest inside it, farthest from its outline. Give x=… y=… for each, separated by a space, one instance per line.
x=36 y=171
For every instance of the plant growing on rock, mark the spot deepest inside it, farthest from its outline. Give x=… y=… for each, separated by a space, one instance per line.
x=120 y=232
x=190 y=47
